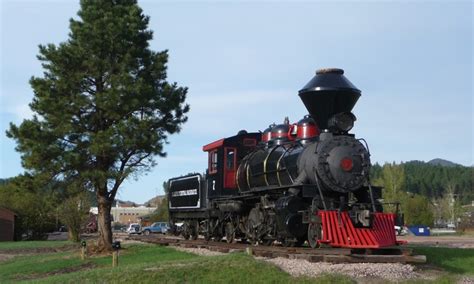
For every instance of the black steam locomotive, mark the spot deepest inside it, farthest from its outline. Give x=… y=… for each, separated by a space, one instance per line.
x=307 y=181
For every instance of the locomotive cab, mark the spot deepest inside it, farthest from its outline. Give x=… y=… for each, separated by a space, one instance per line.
x=224 y=157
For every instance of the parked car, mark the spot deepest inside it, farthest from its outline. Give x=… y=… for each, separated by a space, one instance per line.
x=134 y=228
x=157 y=227
x=400 y=231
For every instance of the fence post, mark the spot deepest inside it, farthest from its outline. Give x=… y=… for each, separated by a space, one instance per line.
x=115 y=258
x=83 y=250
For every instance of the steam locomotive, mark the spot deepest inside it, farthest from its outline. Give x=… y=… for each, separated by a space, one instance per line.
x=293 y=183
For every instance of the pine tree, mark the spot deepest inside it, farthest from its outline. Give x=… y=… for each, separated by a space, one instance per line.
x=103 y=108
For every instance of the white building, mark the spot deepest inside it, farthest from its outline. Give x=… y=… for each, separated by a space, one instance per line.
x=126 y=214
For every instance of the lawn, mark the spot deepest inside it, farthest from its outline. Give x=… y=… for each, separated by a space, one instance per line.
x=145 y=263
x=149 y=264
x=455 y=260
x=32 y=245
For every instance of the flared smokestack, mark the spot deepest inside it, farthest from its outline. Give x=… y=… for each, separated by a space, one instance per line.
x=328 y=93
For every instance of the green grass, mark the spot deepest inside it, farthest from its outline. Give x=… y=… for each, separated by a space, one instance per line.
x=141 y=253
x=442 y=279
x=455 y=260
x=35 y=265
x=230 y=268
x=149 y=264
x=32 y=244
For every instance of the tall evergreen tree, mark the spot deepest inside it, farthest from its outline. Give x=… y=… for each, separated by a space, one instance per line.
x=103 y=108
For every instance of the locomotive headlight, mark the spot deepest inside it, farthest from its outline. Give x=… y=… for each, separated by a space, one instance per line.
x=342 y=122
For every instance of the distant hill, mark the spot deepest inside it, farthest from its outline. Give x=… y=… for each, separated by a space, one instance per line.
x=432 y=178
x=443 y=163
x=155 y=201
x=125 y=203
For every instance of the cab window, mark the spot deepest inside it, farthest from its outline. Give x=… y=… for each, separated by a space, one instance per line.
x=213 y=161
x=230 y=159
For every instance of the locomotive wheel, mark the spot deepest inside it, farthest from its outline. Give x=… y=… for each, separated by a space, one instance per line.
x=251 y=232
x=300 y=241
x=217 y=231
x=186 y=231
x=195 y=233
x=195 y=230
x=288 y=243
x=314 y=235
x=229 y=232
x=253 y=225
x=207 y=233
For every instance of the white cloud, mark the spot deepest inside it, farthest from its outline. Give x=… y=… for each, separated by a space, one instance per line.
x=14 y=101
x=224 y=100
x=16 y=111
x=226 y=113
x=22 y=111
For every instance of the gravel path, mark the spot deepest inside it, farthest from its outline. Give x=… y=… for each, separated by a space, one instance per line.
x=441 y=241
x=5 y=257
x=466 y=280
x=389 y=271
x=199 y=251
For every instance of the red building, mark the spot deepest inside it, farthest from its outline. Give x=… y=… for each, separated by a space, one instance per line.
x=7 y=225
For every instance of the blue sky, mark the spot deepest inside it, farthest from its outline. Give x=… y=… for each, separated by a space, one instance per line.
x=244 y=63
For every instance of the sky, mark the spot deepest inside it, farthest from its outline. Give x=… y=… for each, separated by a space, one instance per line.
x=244 y=63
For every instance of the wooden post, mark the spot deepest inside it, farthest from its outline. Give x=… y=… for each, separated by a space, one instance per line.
x=83 y=249
x=249 y=251
x=115 y=258
x=83 y=253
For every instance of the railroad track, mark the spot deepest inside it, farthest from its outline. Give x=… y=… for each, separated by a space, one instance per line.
x=333 y=255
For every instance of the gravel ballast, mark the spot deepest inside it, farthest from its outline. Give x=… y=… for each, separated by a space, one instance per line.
x=362 y=272
x=389 y=271
x=199 y=251
x=301 y=267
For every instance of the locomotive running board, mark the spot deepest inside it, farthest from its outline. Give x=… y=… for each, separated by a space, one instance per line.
x=338 y=231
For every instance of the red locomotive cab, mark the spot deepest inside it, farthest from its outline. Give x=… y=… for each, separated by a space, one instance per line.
x=307 y=128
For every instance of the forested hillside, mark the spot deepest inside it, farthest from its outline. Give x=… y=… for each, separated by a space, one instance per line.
x=431 y=181
x=3 y=181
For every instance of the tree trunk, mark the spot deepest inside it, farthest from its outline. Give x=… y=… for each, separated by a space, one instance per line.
x=73 y=235
x=104 y=224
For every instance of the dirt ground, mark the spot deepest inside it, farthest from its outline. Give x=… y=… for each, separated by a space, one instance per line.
x=5 y=257
x=441 y=241
x=9 y=254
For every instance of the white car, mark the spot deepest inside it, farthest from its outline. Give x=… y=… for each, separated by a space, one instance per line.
x=134 y=228
x=400 y=231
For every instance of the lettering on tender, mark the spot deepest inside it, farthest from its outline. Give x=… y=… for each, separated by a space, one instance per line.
x=187 y=192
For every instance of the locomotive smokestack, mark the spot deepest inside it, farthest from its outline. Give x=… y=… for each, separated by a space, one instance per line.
x=328 y=93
